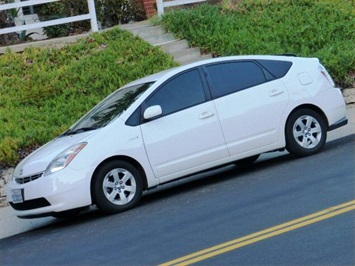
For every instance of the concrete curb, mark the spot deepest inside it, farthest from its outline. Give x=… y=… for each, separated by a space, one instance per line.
x=55 y=43
x=12 y=225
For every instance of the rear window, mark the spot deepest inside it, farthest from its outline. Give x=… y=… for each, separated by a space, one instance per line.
x=277 y=68
x=232 y=77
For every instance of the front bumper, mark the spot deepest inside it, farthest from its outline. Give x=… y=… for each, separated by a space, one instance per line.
x=65 y=190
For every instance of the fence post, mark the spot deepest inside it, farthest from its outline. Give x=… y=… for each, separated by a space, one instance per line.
x=93 y=19
x=160 y=7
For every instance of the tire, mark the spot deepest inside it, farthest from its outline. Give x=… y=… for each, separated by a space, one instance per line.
x=117 y=186
x=305 y=132
x=247 y=161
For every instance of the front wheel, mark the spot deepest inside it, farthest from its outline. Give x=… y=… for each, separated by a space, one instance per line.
x=117 y=186
x=305 y=132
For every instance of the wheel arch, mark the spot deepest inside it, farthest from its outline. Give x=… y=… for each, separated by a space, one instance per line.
x=308 y=106
x=119 y=158
x=292 y=143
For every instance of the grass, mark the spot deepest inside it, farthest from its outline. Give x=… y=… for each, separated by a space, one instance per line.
x=317 y=28
x=44 y=91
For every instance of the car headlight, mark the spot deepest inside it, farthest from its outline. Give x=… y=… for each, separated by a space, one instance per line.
x=64 y=158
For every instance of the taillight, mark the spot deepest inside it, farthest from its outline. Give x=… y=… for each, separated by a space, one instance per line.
x=326 y=74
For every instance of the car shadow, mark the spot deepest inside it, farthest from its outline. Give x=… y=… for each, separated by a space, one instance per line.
x=165 y=191
x=188 y=185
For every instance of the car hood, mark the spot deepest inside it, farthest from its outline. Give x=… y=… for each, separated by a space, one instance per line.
x=39 y=160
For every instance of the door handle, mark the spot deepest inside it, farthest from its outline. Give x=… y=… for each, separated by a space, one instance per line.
x=275 y=92
x=205 y=115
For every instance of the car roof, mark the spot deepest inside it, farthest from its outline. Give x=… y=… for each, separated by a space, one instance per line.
x=169 y=72
x=151 y=78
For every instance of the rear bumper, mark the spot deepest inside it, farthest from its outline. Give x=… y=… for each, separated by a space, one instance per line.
x=338 y=124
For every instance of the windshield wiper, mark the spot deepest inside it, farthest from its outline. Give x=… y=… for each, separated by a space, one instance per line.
x=79 y=130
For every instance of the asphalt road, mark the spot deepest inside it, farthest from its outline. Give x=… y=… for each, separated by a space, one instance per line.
x=201 y=212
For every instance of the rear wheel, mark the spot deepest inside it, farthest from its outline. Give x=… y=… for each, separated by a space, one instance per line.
x=305 y=132
x=117 y=186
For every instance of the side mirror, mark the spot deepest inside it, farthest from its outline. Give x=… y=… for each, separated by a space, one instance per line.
x=152 y=112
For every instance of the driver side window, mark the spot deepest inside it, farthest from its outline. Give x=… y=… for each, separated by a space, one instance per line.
x=180 y=92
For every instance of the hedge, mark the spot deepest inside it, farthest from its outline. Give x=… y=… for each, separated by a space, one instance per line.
x=317 y=28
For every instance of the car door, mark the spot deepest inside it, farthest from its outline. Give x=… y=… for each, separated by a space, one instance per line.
x=187 y=135
x=250 y=103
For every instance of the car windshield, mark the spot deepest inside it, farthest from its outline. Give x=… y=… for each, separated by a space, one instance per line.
x=110 y=108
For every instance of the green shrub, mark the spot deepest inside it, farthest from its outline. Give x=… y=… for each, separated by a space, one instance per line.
x=320 y=28
x=114 y=12
x=51 y=11
x=6 y=20
x=44 y=91
x=62 y=9
x=109 y=14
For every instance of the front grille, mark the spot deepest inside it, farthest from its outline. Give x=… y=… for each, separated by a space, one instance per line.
x=26 y=179
x=30 y=204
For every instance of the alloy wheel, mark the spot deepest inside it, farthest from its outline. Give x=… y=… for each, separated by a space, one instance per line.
x=307 y=131
x=119 y=186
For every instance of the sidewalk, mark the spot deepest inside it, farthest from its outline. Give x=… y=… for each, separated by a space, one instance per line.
x=11 y=225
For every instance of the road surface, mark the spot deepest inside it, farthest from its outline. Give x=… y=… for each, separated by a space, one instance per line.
x=277 y=211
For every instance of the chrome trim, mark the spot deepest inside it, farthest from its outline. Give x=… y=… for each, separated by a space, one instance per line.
x=26 y=179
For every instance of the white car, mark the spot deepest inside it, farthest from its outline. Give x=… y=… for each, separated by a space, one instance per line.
x=177 y=123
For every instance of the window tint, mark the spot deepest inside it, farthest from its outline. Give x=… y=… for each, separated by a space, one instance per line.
x=277 y=68
x=181 y=92
x=235 y=76
x=110 y=108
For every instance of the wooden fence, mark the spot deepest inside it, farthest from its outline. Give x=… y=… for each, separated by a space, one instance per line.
x=91 y=15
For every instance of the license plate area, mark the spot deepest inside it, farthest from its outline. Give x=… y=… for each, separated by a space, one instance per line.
x=17 y=195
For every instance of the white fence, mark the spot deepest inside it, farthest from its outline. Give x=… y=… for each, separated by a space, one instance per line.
x=91 y=16
x=161 y=4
